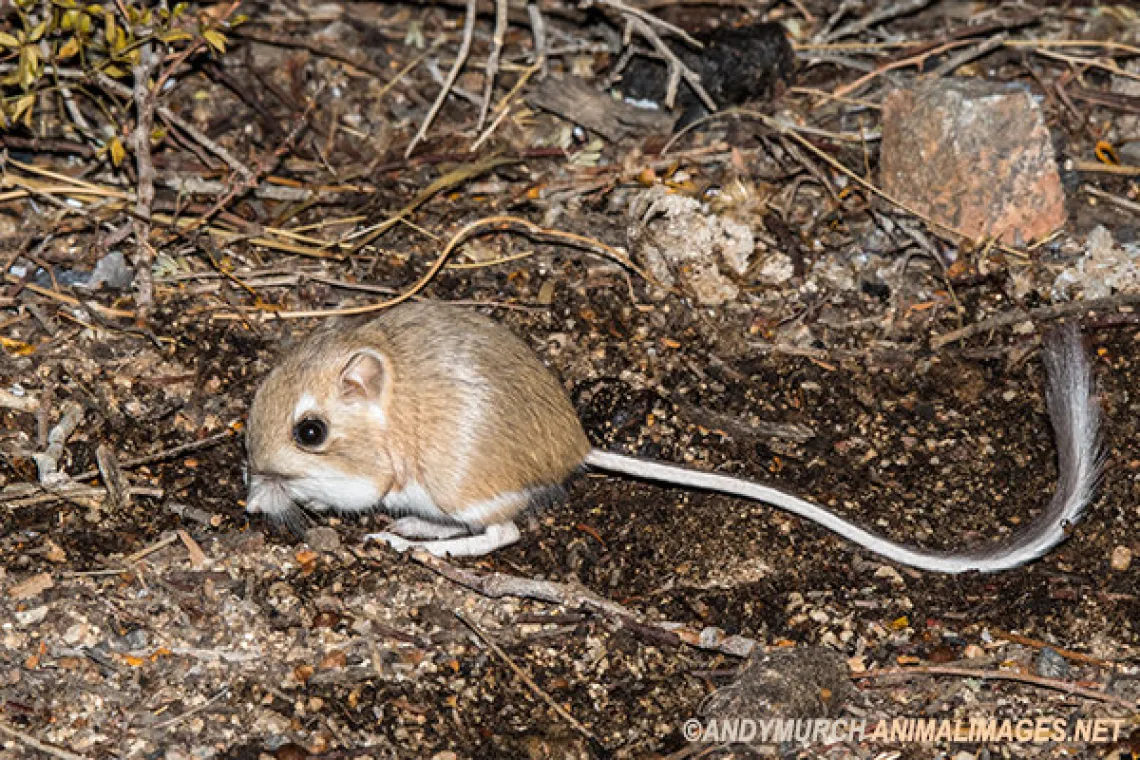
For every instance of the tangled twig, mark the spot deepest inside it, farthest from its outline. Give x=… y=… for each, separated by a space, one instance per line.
x=460 y=59
x=637 y=20
x=480 y=227
x=144 y=98
x=573 y=595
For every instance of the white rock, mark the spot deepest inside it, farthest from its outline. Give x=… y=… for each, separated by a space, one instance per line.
x=678 y=239
x=1104 y=269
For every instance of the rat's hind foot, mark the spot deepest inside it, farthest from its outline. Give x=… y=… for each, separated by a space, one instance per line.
x=417 y=527
x=493 y=537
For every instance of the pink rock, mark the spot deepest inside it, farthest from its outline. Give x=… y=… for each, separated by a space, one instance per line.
x=973 y=155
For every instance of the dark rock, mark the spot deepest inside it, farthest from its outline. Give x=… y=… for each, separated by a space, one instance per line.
x=737 y=65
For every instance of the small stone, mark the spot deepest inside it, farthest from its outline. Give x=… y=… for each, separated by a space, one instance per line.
x=1121 y=558
x=1050 y=664
x=34 y=616
x=322 y=538
x=112 y=272
x=680 y=241
x=889 y=573
x=973 y=155
x=1105 y=268
x=81 y=634
x=30 y=587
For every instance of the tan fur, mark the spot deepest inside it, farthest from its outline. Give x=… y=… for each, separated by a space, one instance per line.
x=471 y=413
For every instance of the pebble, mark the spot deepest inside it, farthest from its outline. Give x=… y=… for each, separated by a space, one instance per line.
x=973 y=155
x=1050 y=664
x=322 y=538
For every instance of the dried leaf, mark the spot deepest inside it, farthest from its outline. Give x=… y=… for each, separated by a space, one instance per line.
x=37 y=32
x=28 y=68
x=118 y=152
x=23 y=107
x=215 y=40
x=11 y=345
x=70 y=48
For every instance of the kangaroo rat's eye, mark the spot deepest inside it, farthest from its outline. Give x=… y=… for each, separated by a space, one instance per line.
x=310 y=432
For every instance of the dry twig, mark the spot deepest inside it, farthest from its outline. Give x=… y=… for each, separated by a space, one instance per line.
x=479 y=227
x=47 y=462
x=493 y=61
x=9 y=400
x=498 y=585
x=1039 y=314
x=33 y=743
x=1003 y=675
x=460 y=59
x=527 y=679
x=145 y=101
x=637 y=20
x=884 y=13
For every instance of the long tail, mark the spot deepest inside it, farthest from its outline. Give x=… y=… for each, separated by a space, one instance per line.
x=1075 y=415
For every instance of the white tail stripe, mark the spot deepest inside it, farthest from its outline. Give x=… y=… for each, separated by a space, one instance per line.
x=1074 y=413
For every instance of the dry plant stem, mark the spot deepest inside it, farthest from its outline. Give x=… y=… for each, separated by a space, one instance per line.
x=118 y=489
x=25 y=489
x=197 y=44
x=1037 y=42
x=195 y=134
x=977 y=51
x=790 y=130
x=538 y=29
x=1115 y=200
x=460 y=58
x=73 y=492
x=493 y=61
x=144 y=99
x=31 y=742
x=65 y=93
x=836 y=16
x=265 y=164
x=1106 y=65
x=171 y=722
x=884 y=13
x=1068 y=654
x=649 y=19
x=47 y=462
x=499 y=585
x=9 y=400
x=1096 y=167
x=63 y=298
x=452 y=179
x=525 y=677
x=504 y=106
x=1003 y=675
x=915 y=60
x=1039 y=314
x=481 y=226
x=677 y=69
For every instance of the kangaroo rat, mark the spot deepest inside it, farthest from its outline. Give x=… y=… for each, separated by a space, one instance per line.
x=447 y=418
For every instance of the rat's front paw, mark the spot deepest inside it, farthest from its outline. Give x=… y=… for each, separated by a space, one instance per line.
x=399 y=543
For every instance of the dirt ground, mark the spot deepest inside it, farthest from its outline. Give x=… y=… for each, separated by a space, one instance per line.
x=146 y=615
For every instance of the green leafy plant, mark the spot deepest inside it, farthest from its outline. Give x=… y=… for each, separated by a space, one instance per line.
x=65 y=49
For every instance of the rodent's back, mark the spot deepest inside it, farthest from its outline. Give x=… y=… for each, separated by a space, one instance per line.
x=487 y=417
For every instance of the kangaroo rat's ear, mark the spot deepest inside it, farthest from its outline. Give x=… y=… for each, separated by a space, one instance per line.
x=366 y=376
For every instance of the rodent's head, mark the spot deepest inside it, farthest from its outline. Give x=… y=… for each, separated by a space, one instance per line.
x=317 y=430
